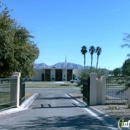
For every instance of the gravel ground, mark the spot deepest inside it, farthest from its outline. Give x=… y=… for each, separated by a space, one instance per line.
x=115 y=111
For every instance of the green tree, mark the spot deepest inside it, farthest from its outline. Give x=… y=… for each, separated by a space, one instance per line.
x=126 y=67
x=17 y=50
x=84 y=51
x=91 y=51
x=98 y=51
x=111 y=72
x=117 y=71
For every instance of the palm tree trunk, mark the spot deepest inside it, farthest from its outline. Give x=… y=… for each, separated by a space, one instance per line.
x=97 y=62
x=91 y=61
x=84 y=62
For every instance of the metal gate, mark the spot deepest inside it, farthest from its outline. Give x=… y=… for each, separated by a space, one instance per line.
x=115 y=90
x=8 y=91
x=86 y=90
x=22 y=90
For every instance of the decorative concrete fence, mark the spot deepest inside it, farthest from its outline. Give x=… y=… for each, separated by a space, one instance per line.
x=128 y=95
x=97 y=89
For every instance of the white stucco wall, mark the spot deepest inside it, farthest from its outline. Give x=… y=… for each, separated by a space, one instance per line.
x=38 y=76
x=39 y=72
x=101 y=90
x=64 y=74
x=93 y=89
x=52 y=74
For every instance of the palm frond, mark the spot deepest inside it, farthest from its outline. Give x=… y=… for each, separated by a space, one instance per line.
x=126 y=37
x=125 y=45
x=92 y=49
x=128 y=55
x=83 y=50
x=98 y=50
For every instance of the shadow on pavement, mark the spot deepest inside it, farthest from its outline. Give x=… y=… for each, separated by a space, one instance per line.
x=54 y=123
x=55 y=98
x=43 y=106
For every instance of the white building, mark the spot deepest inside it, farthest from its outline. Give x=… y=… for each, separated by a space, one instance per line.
x=53 y=74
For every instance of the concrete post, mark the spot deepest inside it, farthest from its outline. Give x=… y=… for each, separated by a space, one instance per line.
x=93 y=89
x=15 y=89
x=101 y=90
x=18 y=90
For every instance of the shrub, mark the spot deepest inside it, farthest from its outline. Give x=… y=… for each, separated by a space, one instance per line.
x=86 y=73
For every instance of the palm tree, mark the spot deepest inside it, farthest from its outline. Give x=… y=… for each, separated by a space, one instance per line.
x=98 y=51
x=84 y=51
x=91 y=51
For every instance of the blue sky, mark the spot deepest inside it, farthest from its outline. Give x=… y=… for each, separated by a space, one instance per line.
x=62 y=27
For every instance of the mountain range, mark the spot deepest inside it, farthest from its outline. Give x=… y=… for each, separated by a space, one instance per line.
x=59 y=65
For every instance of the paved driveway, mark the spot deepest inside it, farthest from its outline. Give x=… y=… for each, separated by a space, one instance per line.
x=52 y=110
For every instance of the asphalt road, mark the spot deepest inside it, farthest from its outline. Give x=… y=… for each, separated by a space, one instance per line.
x=52 y=110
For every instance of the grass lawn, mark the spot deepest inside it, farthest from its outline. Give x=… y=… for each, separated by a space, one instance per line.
x=49 y=85
x=28 y=94
x=115 y=86
x=4 y=97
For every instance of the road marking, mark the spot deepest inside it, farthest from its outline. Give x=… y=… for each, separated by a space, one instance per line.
x=89 y=111
x=93 y=114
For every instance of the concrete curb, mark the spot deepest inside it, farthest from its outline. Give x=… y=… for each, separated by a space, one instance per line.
x=24 y=106
x=29 y=101
x=82 y=103
x=104 y=117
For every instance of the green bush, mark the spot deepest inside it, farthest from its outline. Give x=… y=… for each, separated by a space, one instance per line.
x=86 y=73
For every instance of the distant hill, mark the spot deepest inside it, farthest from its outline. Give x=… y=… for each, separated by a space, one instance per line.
x=69 y=65
x=59 y=65
x=40 y=66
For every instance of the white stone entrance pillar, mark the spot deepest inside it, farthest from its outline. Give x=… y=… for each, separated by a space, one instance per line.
x=93 y=89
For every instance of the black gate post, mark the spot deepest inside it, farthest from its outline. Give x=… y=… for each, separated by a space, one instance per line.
x=42 y=76
x=22 y=90
x=86 y=91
